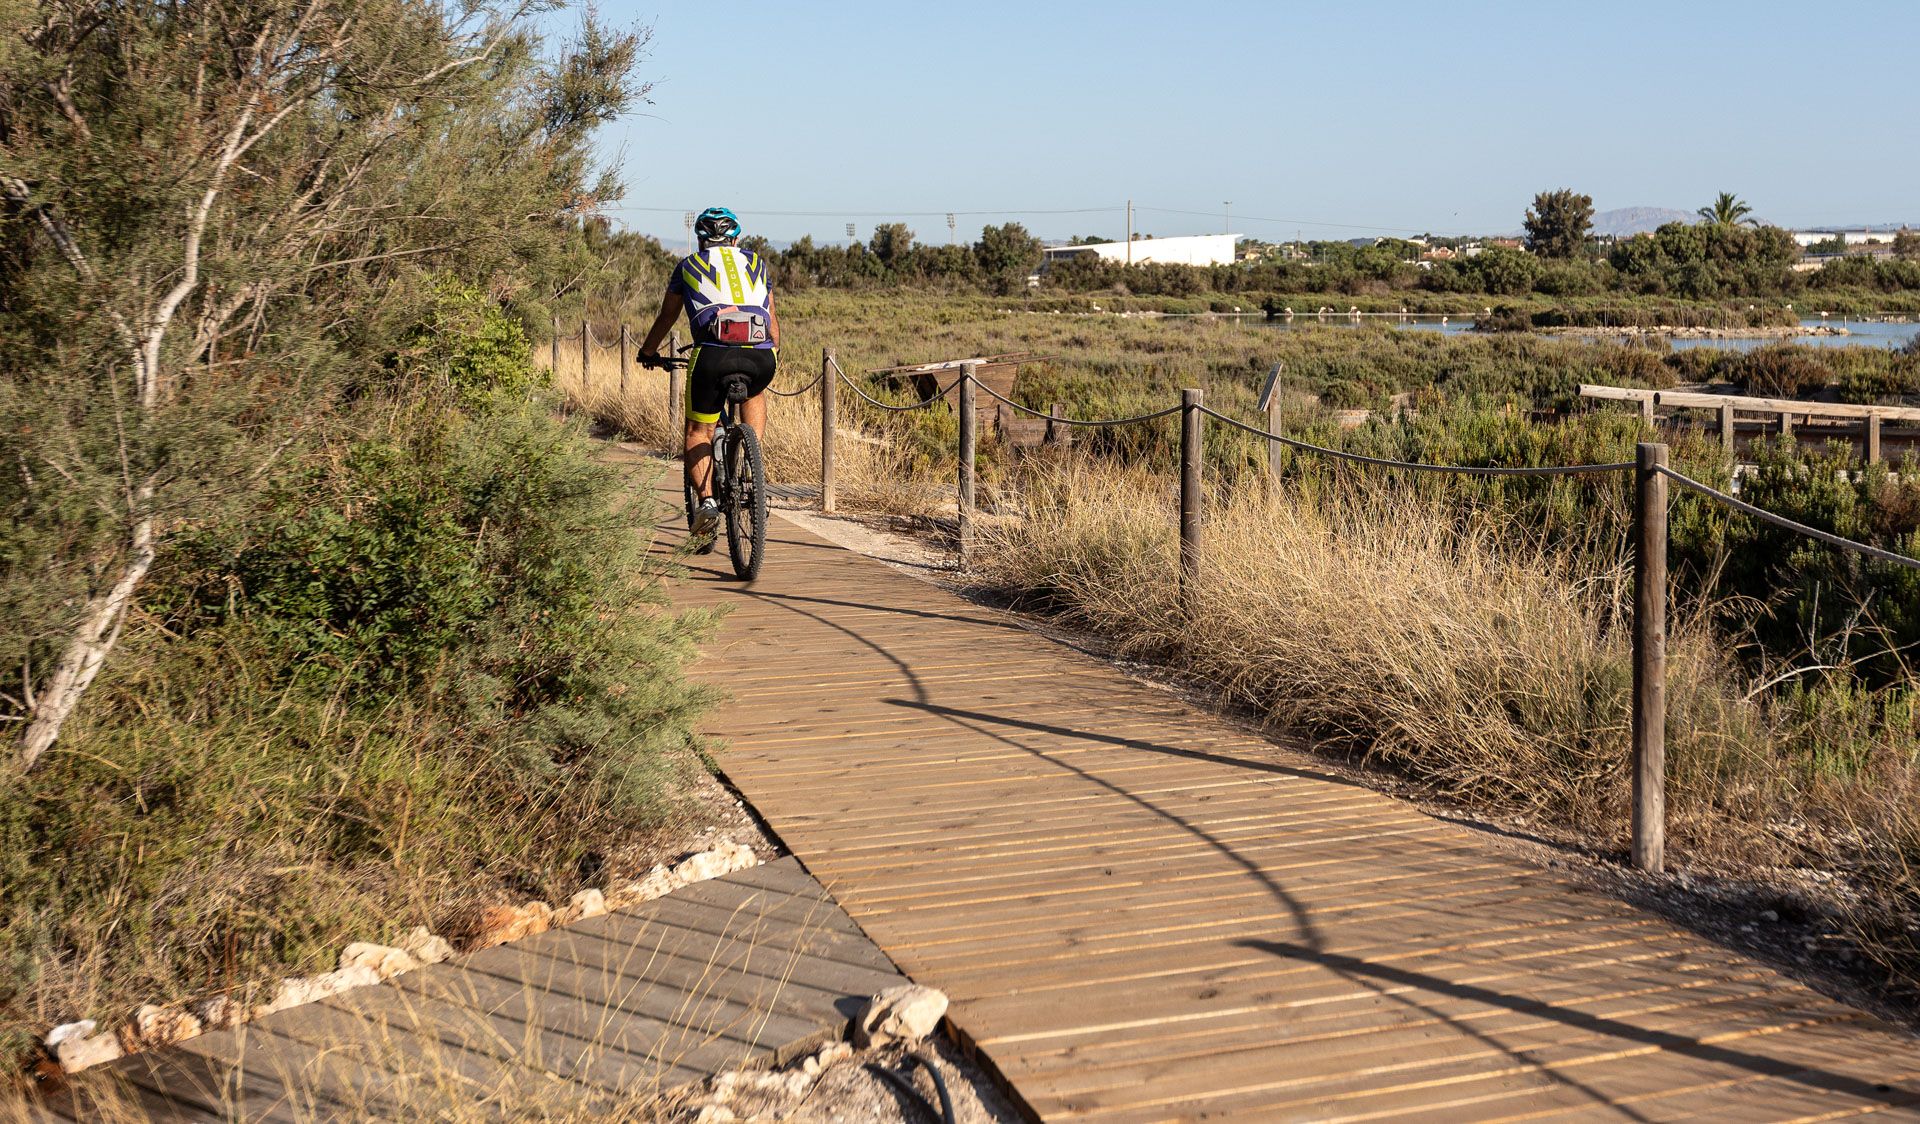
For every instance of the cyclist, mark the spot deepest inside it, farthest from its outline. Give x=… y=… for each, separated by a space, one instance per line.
x=729 y=303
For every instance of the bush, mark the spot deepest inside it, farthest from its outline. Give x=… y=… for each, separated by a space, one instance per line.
x=471 y=343
x=426 y=672
x=1779 y=371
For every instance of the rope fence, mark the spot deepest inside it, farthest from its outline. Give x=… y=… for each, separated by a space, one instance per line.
x=1650 y=469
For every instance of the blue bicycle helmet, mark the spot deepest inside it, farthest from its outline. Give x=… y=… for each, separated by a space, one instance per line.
x=716 y=224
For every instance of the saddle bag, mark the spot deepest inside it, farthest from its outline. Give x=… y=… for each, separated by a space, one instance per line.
x=739 y=327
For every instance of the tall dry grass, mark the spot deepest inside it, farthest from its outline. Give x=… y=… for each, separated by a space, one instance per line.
x=1387 y=627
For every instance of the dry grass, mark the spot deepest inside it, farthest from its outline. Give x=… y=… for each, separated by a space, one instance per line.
x=1383 y=626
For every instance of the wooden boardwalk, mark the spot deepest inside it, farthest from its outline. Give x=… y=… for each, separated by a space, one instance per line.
x=750 y=969
x=1142 y=912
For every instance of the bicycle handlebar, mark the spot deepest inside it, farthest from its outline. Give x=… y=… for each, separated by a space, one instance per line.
x=664 y=362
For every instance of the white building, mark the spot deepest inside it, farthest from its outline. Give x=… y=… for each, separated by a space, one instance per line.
x=1859 y=237
x=1198 y=249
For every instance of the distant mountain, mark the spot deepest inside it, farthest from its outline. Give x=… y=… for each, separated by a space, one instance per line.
x=1624 y=222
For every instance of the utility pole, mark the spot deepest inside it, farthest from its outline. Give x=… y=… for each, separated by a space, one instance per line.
x=849 y=235
x=1229 y=206
x=949 y=228
x=688 y=219
x=1129 y=232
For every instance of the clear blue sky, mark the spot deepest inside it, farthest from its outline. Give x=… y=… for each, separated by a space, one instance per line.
x=1412 y=115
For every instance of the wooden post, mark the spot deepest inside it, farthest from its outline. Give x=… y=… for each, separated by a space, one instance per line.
x=1650 y=659
x=586 y=358
x=968 y=436
x=829 y=400
x=1270 y=402
x=553 y=358
x=1873 y=438
x=1786 y=424
x=676 y=387
x=1646 y=410
x=625 y=358
x=1727 y=428
x=1190 y=498
x=1058 y=433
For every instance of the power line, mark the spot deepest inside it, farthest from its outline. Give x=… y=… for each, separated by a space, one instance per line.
x=1371 y=227
x=1290 y=222
x=896 y=214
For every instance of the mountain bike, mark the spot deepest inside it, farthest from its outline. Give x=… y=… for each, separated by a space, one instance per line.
x=739 y=475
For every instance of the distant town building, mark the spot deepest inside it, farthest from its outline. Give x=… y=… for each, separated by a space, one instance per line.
x=1197 y=249
x=1862 y=236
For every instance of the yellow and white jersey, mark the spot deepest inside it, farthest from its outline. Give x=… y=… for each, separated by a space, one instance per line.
x=725 y=285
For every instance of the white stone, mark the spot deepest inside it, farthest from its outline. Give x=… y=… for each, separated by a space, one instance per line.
x=308 y=989
x=385 y=961
x=65 y=1031
x=798 y=1083
x=585 y=904
x=216 y=1012
x=906 y=1012
x=833 y=1053
x=425 y=946
x=658 y=883
x=77 y=1052
x=714 y=1114
x=163 y=1026
x=723 y=859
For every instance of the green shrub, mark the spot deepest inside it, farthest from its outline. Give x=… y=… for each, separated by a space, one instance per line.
x=466 y=339
x=427 y=672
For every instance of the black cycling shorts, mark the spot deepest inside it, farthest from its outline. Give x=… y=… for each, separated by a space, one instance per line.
x=710 y=362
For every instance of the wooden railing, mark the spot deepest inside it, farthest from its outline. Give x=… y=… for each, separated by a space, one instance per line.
x=1865 y=421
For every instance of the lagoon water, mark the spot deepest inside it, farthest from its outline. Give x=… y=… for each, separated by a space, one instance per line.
x=1860 y=333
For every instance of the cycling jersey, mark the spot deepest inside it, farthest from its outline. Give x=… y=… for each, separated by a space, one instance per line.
x=727 y=296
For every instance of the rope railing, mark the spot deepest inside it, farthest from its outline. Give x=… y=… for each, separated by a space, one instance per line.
x=811 y=383
x=938 y=395
x=1090 y=423
x=1416 y=466
x=1766 y=516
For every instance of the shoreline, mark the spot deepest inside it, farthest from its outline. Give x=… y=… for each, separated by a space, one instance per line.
x=1697 y=333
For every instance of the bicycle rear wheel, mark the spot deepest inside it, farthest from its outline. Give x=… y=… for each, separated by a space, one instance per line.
x=746 y=503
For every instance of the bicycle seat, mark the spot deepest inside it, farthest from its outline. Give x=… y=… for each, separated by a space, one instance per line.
x=737 y=387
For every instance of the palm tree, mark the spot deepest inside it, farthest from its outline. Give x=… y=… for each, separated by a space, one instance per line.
x=1727 y=210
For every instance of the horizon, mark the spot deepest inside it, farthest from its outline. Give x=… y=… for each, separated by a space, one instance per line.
x=1039 y=117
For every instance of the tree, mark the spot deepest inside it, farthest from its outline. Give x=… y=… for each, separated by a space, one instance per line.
x=205 y=206
x=1559 y=224
x=1906 y=244
x=891 y=243
x=1504 y=271
x=1007 y=255
x=1727 y=210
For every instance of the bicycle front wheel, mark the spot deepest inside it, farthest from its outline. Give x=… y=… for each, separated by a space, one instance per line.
x=746 y=503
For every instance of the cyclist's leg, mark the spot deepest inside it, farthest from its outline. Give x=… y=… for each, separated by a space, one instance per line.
x=703 y=410
x=755 y=413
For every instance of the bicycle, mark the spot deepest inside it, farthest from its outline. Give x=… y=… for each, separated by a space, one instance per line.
x=739 y=475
